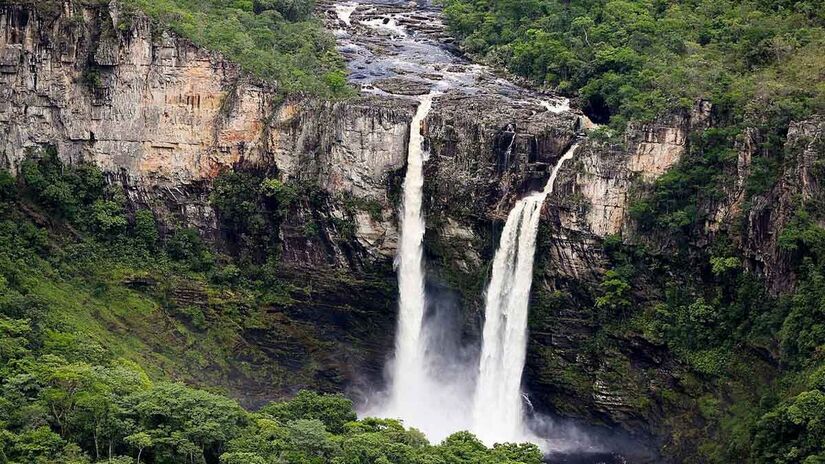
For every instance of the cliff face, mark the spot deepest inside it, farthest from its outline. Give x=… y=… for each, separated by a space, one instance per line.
x=156 y=108
x=799 y=181
x=165 y=118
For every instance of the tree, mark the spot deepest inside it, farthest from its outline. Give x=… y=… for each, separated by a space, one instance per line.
x=615 y=294
x=146 y=229
x=463 y=448
x=793 y=432
x=108 y=218
x=333 y=410
x=183 y=421
x=139 y=440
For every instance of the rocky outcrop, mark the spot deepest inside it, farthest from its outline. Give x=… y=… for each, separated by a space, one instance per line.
x=156 y=108
x=798 y=186
x=487 y=151
x=165 y=117
x=603 y=174
x=625 y=385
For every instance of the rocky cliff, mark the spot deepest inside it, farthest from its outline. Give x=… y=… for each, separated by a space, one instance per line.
x=164 y=118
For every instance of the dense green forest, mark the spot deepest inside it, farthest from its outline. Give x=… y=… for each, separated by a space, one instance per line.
x=760 y=64
x=78 y=386
x=759 y=59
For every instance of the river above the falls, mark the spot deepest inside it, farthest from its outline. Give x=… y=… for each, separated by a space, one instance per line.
x=402 y=48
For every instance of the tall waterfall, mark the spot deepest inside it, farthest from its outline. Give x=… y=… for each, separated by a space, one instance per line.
x=429 y=390
x=410 y=380
x=497 y=406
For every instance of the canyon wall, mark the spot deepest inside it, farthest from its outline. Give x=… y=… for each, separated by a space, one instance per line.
x=164 y=118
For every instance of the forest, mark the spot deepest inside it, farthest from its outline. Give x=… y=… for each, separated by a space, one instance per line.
x=75 y=391
x=760 y=65
x=758 y=60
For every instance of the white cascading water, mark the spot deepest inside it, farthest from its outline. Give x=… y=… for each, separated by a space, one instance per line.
x=435 y=404
x=497 y=415
x=410 y=380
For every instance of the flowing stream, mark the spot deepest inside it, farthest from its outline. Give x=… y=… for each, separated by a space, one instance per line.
x=497 y=406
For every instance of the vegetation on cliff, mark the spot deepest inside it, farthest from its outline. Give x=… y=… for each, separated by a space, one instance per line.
x=90 y=338
x=752 y=360
x=278 y=40
x=759 y=354
x=635 y=59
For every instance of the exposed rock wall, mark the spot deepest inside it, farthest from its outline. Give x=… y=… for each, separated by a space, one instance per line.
x=157 y=108
x=602 y=175
x=800 y=182
x=165 y=117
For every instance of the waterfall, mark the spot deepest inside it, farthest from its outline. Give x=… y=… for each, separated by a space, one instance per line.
x=497 y=414
x=429 y=390
x=409 y=389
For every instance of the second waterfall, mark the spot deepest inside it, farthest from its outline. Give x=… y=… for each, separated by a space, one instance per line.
x=497 y=406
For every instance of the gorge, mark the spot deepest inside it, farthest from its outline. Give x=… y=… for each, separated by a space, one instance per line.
x=444 y=242
x=419 y=393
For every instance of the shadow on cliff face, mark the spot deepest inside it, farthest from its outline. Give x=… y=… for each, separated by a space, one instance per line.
x=452 y=348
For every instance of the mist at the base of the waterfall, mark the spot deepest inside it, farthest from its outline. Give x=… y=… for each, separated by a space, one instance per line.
x=453 y=340
x=568 y=441
x=444 y=398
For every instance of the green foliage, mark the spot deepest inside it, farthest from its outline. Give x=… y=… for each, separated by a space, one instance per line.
x=248 y=206
x=635 y=60
x=803 y=331
x=251 y=208
x=793 y=432
x=675 y=203
x=721 y=266
x=92 y=324
x=63 y=412
x=68 y=192
x=355 y=204
x=108 y=218
x=8 y=187
x=615 y=299
x=334 y=411
x=283 y=194
x=146 y=229
x=92 y=78
x=275 y=39
x=714 y=313
x=186 y=246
